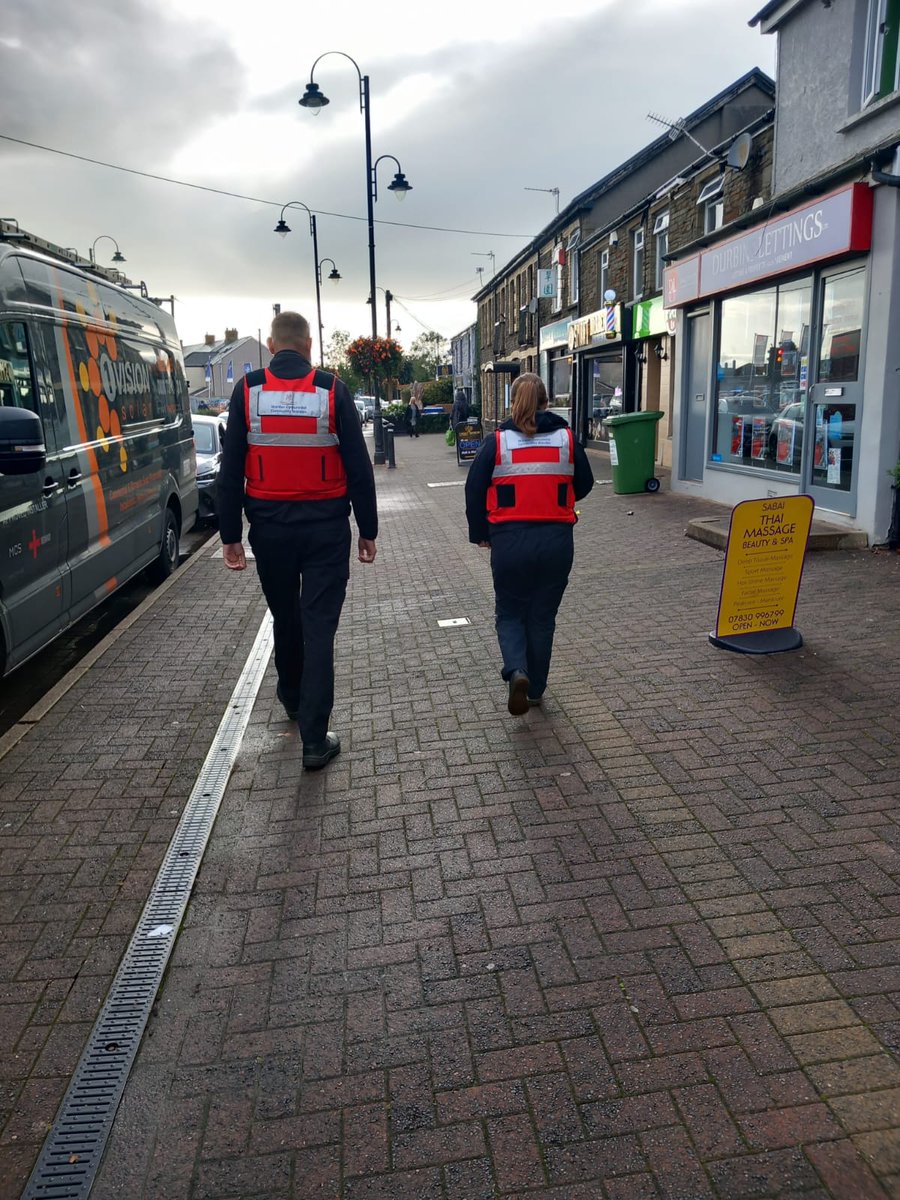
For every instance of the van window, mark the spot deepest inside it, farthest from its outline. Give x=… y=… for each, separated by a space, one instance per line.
x=16 y=385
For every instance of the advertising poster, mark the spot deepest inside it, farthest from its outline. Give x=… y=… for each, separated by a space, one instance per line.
x=834 y=465
x=469 y=437
x=784 y=454
x=758 y=438
x=763 y=564
x=737 y=437
x=820 y=448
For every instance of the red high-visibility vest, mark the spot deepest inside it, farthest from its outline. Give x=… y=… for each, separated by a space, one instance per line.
x=292 y=444
x=533 y=477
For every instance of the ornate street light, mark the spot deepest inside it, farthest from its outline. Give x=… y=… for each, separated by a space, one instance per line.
x=118 y=257
x=283 y=229
x=314 y=100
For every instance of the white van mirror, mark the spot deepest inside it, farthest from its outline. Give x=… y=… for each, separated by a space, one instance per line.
x=22 y=449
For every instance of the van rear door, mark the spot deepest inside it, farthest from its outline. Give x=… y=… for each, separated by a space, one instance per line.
x=33 y=530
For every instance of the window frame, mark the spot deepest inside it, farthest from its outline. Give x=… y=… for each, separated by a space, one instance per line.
x=661 y=233
x=637 y=262
x=603 y=274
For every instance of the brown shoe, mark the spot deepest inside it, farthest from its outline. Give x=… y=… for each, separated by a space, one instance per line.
x=518 y=693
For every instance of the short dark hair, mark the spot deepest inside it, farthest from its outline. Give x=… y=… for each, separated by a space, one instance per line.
x=289 y=330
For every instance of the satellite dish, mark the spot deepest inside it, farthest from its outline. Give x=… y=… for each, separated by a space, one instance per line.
x=533 y=304
x=739 y=151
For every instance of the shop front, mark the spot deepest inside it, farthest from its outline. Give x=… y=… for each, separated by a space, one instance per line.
x=772 y=328
x=653 y=346
x=603 y=371
x=556 y=365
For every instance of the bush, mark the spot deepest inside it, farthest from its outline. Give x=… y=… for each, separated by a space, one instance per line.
x=438 y=391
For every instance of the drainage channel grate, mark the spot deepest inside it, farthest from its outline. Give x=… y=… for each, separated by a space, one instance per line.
x=74 y=1147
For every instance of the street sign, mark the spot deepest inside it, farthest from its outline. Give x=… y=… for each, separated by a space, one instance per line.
x=547 y=283
x=761 y=577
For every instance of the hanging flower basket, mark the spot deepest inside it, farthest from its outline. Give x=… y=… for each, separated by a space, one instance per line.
x=376 y=358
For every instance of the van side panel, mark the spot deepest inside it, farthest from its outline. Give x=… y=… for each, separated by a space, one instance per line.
x=111 y=367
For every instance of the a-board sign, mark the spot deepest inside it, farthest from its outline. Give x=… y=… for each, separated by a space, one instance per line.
x=761 y=577
x=469 y=436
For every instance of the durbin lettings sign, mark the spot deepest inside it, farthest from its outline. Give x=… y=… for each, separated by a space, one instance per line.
x=840 y=223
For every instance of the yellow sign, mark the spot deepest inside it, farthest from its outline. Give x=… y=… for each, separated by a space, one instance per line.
x=763 y=564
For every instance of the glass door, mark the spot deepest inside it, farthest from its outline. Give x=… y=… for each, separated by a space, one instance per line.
x=834 y=404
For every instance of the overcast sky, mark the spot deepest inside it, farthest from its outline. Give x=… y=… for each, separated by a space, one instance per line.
x=478 y=101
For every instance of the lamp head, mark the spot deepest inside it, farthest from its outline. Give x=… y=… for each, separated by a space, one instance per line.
x=118 y=256
x=312 y=97
x=335 y=275
x=609 y=296
x=399 y=185
x=282 y=228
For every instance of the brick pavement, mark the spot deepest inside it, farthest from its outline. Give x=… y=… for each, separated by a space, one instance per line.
x=641 y=944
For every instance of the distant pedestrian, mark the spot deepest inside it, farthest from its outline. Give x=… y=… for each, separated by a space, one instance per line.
x=520 y=504
x=296 y=458
x=412 y=418
x=460 y=410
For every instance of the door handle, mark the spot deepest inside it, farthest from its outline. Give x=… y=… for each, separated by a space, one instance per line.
x=75 y=478
x=50 y=486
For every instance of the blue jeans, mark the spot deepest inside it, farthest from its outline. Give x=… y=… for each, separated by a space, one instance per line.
x=531 y=564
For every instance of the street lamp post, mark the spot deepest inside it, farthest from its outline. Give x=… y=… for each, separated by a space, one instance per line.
x=313 y=98
x=118 y=257
x=283 y=229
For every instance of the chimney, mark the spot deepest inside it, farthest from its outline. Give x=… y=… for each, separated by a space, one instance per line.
x=230 y=335
x=209 y=339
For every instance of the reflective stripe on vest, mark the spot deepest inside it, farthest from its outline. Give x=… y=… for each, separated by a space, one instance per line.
x=293 y=451
x=532 y=477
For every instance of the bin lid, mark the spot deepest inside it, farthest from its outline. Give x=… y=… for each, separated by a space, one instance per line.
x=625 y=418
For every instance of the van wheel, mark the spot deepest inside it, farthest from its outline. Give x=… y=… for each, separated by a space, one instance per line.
x=168 y=551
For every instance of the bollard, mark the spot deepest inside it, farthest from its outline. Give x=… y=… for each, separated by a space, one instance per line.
x=389 y=446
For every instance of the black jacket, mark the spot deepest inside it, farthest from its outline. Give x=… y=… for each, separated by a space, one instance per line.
x=482 y=468
x=288 y=364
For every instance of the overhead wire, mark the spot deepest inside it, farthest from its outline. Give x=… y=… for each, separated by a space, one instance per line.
x=200 y=187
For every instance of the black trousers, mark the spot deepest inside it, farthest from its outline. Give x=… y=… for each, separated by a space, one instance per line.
x=303 y=570
x=530 y=564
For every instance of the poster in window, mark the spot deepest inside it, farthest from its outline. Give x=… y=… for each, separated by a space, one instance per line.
x=737 y=437
x=820 y=448
x=834 y=465
x=784 y=453
x=758 y=438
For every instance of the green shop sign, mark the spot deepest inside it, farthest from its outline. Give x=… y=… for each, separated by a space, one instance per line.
x=648 y=318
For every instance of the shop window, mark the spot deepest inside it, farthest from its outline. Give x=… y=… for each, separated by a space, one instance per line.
x=762 y=377
x=842 y=308
x=661 y=233
x=637 y=263
x=604 y=276
x=605 y=383
x=712 y=204
x=881 y=64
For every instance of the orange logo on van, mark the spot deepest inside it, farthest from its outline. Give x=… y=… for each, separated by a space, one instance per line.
x=109 y=427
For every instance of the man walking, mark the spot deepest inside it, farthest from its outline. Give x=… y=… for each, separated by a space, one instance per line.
x=296 y=458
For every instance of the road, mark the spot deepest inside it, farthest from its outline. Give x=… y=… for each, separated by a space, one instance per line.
x=26 y=685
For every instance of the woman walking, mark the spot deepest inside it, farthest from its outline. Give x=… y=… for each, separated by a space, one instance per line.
x=520 y=503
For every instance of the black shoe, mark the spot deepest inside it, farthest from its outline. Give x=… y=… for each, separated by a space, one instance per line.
x=292 y=710
x=518 y=693
x=317 y=756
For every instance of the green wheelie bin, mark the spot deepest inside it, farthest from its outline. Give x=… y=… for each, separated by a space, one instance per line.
x=632 y=445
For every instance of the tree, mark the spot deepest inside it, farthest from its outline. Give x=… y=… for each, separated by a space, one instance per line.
x=427 y=353
x=337 y=360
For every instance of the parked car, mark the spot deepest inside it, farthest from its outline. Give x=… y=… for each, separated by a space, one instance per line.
x=369 y=407
x=361 y=409
x=209 y=439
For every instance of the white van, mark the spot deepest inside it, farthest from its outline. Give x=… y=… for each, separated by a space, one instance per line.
x=97 y=462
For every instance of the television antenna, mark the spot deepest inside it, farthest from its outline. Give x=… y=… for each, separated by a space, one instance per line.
x=485 y=254
x=678 y=126
x=554 y=191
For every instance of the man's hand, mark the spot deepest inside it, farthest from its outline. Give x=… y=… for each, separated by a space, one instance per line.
x=484 y=545
x=367 y=550
x=235 y=558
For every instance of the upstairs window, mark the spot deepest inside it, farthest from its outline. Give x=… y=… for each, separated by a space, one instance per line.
x=637 y=262
x=881 y=66
x=661 y=233
x=712 y=204
x=572 y=260
x=604 y=275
